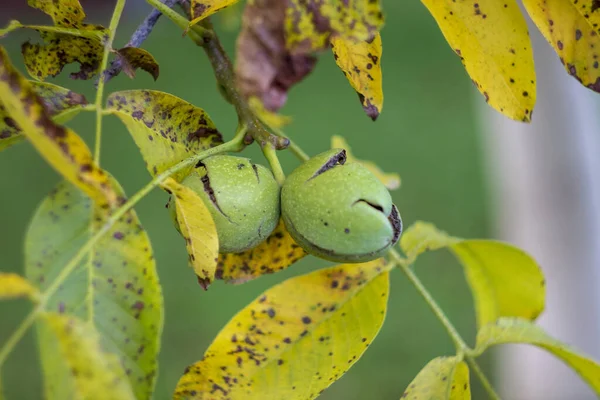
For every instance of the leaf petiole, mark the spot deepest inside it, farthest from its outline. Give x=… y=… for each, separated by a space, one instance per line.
x=271 y=155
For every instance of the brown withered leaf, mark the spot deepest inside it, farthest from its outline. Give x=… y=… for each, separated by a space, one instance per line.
x=133 y=58
x=264 y=66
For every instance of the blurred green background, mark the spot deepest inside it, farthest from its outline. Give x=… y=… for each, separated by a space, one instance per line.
x=426 y=133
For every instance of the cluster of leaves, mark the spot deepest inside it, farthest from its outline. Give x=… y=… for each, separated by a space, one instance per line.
x=89 y=269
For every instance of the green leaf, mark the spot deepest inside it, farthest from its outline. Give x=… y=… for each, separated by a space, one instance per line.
x=61 y=104
x=295 y=339
x=443 y=378
x=311 y=24
x=96 y=373
x=13 y=286
x=166 y=128
x=573 y=29
x=197 y=228
x=505 y=281
x=133 y=58
x=492 y=41
x=115 y=288
x=60 y=146
x=517 y=330
x=360 y=61
x=201 y=9
x=275 y=254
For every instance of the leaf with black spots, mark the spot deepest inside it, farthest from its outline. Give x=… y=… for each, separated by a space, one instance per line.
x=275 y=254
x=310 y=24
x=265 y=68
x=492 y=41
x=505 y=281
x=96 y=373
x=60 y=146
x=443 y=378
x=115 y=287
x=13 y=286
x=360 y=61
x=201 y=9
x=133 y=58
x=295 y=339
x=61 y=105
x=165 y=128
x=573 y=29
x=197 y=228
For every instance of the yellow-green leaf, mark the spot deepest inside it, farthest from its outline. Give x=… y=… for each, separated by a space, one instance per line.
x=166 y=128
x=68 y=13
x=295 y=339
x=443 y=378
x=60 y=146
x=517 y=330
x=201 y=9
x=13 y=286
x=96 y=373
x=505 y=281
x=133 y=58
x=276 y=253
x=197 y=228
x=310 y=24
x=115 y=288
x=573 y=30
x=360 y=61
x=274 y=120
x=61 y=104
x=390 y=180
x=492 y=41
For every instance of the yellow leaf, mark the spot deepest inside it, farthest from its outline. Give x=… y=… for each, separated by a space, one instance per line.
x=391 y=181
x=517 y=330
x=201 y=9
x=67 y=13
x=13 y=286
x=573 y=30
x=360 y=61
x=443 y=378
x=276 y=253
x=61 y=104
x=165 y=128
x=492 y=41
x=270 y=118
x=505 y=281
x=310 y=24
x=198 y=229
x=295 y=339
x=133 y=58
x=97 y=374
x=60 y=146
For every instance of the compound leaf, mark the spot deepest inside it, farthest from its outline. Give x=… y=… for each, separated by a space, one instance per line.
x=443 y=378
x=13 y=286
x=201 y=9
x=60 y=146
x=198 y=229
x=573 y=29
x=492 y=41
x=96 y=373
x=276 y=253
x=166 y=128
x=115 y=287
x=390 y=180
x=133 y=58
x=518 y=330
x=505 y=281
x=295 y=339
x=360 y=61
x=61 y=105
x=310 y=24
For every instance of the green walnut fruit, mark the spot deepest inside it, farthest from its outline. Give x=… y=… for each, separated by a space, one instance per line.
x=338 y=211
x=242 y=197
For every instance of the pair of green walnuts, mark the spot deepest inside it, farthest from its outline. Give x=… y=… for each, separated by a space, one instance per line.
x=335 y=210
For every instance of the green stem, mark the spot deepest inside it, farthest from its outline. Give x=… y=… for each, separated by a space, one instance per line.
x=271 y=156
x=484 y=381
x=112 y=28
x=236 y=144
x=196 y=33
